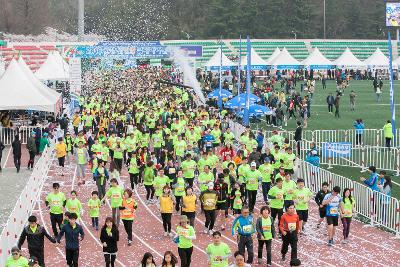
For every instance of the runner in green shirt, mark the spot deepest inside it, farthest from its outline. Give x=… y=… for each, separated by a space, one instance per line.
x=288 y=186
x=94 y=209
x=159 y=182
x=56 y=201
x=301 y=196
x=185 y=235
x=266 y=170
x=276 y=199
x=204 y=178
x=218 y=252
x=288 y=160
x=73 y=205
x=16 y=259
x=252 y=178
x=115 y=193
x=189 y=166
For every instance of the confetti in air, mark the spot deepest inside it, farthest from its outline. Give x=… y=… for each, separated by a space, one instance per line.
x=132 y=19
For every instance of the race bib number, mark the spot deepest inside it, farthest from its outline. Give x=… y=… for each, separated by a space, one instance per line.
x=292 y=226
x=115 y=196
x=55 y=203
x=300 y=197
x=171 y=170
x=209 y=202
x=333 y=211
x=238 y=202
x=209 y=144
x=252 y=181
x=217 y=259
x=266 y=228
x=279 y=196
x=183 y=232
x=247 y=228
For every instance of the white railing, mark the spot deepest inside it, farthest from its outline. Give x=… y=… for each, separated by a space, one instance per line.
x=7 y=134
x=374 y=208
x=370 y=137
x=24 y=206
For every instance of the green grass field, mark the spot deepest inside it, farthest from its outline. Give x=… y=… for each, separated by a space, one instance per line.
x=374 y=115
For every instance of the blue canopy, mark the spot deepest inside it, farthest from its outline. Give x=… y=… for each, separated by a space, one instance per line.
x=235 y=102
x=256 y=110
x=224 y=93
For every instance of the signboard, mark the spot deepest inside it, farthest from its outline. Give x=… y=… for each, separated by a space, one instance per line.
x=335 y=150
x=75 y=75
x=192 y=50
x=122 y=51
x=392 y=14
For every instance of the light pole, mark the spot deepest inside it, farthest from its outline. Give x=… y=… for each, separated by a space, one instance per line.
x=295 y=34
x=324 y=19
x=81 y=19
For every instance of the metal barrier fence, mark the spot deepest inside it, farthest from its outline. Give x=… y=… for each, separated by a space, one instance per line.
x=7 y=134
x=375 y=208
x=370 y=137
x=24 y=206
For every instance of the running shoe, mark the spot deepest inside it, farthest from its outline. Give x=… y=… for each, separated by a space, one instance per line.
x=165 y=234
x=330 y=242
x=205 y=231
x=129 y=242
x=210 y=232
x=259 y=261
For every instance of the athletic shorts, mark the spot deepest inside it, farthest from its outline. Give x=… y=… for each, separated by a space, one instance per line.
x=222 y=206
x=61 y=161
x=303 y=215
x=322 y=212
x=332 y=220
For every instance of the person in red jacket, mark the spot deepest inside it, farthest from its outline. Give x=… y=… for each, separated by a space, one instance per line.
x=290 y=228
x=227 y=151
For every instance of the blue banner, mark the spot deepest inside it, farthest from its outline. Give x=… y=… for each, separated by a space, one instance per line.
x=335 y=150
x=392 y=106
x=118 y=51
x=192 y=50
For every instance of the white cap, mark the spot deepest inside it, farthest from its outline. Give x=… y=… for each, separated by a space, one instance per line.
x=210 y=184
x=253 y=164
x=314 y=152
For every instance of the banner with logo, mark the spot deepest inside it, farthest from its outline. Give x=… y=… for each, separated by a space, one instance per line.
x=335 y=150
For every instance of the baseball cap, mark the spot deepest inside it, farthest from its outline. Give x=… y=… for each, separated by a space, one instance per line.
x=253 y=164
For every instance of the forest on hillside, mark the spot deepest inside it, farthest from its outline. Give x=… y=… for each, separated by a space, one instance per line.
x=199 y=19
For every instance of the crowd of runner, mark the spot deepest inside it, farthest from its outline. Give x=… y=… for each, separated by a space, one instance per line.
x=190 y=164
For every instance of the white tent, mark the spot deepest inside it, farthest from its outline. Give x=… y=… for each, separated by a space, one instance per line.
x=2 y=66
x=50 y=94
x=215 y=61
x=54 y=68
x=273 y=55
x=317 y=61
x=348 y=60
x=18 y=92
x=285 y=61
x=377 y=60
x=256 y=61
x=396 y=63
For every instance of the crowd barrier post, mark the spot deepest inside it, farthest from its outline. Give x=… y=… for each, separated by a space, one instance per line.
x=397 y=162
x=362 y=163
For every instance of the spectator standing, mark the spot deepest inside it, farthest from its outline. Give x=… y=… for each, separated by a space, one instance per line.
x=337 y=105
x=298 y=137
x=2 y=146
x=387 y=131
x=330 y=100
x=352 y=100
x=372 y=181
x=31 y=145
x=16 y=146
x=359 y=126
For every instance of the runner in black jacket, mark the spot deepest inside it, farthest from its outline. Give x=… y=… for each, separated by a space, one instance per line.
x=35 y=234
x=319 y=197
x=222 y=189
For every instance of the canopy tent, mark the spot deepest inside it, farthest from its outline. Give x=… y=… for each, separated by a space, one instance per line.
x=2 y=66
x=18 y=92
x=54 y=68
x=377 y=60
x=285 y=61
x=257 y=63
x=396 y=63
x=45 y=91
x=348 y=60
x=224 y=93
x=240 y=101
x=276 y=52
x=215 y=62
x=317 y=61
x=256 y=110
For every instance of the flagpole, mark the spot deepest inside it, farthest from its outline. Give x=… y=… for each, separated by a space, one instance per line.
x=246 y=119
x=239 y=68
x=220 y=79
x=392 y=106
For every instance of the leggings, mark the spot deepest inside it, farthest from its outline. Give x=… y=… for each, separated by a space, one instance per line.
x=31 y=159
x=115 y=216
x=95 y=222
x=166 y=220
x=134 y=178
x=268 y=248
x=110 y=259
x=177 y=202
x=128 y=228
x=118 y=164
x=186 y=256
x=80 y=171
x=346 y=221
x=149 y=191
x=210 y=219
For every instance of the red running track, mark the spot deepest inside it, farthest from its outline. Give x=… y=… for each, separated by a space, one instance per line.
x=368 y=246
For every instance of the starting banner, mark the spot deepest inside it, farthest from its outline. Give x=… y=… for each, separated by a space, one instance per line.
x=334 y=150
